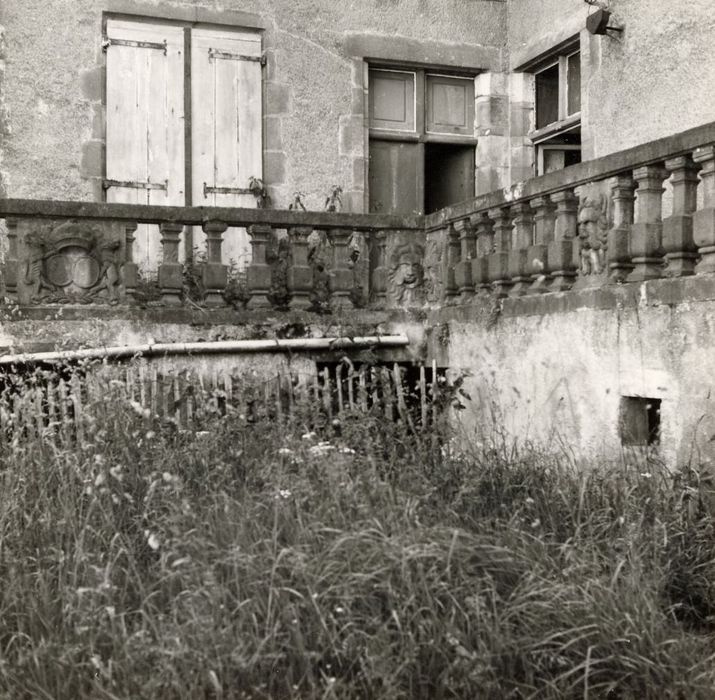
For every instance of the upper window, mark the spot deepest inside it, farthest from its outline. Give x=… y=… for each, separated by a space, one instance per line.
x=422 y=142
x=557 y=98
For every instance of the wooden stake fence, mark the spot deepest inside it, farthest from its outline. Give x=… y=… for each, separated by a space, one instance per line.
x=64 y=407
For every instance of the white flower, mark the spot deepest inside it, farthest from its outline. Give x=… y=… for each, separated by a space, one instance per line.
x=346 y=451
x=308 y=436
x=152 y=540
x=100 y=479
x=283 y=493
x=646 y=475
x=285 y=451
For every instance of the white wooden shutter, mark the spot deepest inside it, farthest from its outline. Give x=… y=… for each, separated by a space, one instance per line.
x=226 y=131
x=145 y=123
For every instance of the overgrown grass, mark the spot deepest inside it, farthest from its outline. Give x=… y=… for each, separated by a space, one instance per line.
x=248 y=561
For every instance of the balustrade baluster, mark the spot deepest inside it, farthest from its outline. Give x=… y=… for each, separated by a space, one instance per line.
x=484 y=227
x=259 y=272
x=341 y=275
x=704 y=219
x=523 y=238
x=537 y=256
x=378 y=278
x=452 y=259
x=467 y=252
x=130 y=270
x=170 y=270
x=499 y=260
x=619 y=248
x=215 y=274
x=300 y=275
x=560 y=255
x=647 y=231
x=11 y=263
x=678 y=244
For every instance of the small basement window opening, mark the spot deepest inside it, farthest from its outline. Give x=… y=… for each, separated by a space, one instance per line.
x=639 y=421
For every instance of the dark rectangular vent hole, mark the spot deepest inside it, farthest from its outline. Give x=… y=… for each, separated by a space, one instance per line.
x=639 y=421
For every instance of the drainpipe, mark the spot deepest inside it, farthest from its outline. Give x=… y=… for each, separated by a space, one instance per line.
x=221 y=346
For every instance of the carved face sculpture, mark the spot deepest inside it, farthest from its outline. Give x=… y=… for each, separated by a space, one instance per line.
x=406 y=275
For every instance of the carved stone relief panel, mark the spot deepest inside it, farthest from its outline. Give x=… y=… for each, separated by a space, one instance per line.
x=435 y=267
x=66 y=262
x=405 y=256
x=593 y=225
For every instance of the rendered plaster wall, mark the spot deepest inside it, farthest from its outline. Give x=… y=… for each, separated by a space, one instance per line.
x=554 y=372
x=652 y=81
x=314 y=130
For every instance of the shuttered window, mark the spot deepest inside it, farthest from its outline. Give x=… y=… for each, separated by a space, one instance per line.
x=150 y=151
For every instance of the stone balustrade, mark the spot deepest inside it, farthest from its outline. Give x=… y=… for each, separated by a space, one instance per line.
x=82 y=253
x=629 y=217
x=632 y=216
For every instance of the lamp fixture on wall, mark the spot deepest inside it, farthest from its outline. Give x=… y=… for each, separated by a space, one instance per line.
x=597 y=22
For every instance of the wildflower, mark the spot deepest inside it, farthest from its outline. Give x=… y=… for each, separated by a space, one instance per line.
x=116 y=472
x=168 y=477
x=285 y=451
x=536 y=523
x=137 y=408
x=284 y=494
x=150 y=434
x=308 y=436
x=339 y=609
x=346 y=451
x=100 y=479
x=646 y=475
x=152 y=540
x=99 y=460
x=529 y=501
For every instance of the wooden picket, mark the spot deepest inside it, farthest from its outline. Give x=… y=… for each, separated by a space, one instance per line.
x=61 y=408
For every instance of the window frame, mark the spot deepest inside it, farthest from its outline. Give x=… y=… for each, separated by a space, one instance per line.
x=543 y=138
x=420 y=136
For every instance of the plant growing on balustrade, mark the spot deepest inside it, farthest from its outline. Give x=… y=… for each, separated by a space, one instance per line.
x=334 y=200
x=278 y=256
x=236 y=293
x=593 y=233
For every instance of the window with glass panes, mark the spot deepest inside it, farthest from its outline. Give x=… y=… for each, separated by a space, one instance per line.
x=422 y=141
x=557 y=98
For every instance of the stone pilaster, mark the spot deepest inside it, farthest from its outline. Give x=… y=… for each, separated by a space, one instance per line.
x=130 y=270
x=499 y=260
x=215 y=274
x=538 y=252
x=170 y=271
x=560 y=256
x=342 y=275
x=467 y=252
x=300 y=274
x=452 y=259
x=259 y=271
x=518 y=255
x=704 y=219
x=647 y=231
x=378 y=279
x=11 y=263
x=619 y=249
x=484 y=227
x=681 y=252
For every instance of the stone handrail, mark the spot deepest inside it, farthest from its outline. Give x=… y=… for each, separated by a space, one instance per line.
x=598 y=222
x=82 y=252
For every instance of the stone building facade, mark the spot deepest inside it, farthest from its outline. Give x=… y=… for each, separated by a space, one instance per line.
x=411 y=108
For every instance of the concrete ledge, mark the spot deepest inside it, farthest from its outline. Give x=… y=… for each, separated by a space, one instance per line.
x=195 y=216
x=653 y=293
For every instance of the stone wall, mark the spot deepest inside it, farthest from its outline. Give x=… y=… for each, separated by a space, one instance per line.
x=314 y=133
x=552 y=369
